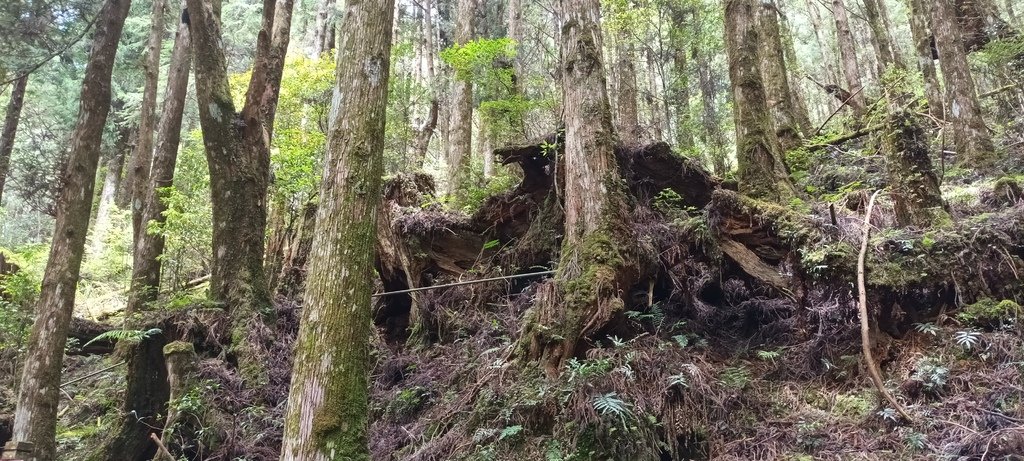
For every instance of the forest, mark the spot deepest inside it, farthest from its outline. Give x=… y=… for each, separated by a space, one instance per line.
x=507 y=230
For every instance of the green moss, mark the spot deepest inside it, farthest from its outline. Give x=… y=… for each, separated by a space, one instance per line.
x=179 y=347
x=989 y=313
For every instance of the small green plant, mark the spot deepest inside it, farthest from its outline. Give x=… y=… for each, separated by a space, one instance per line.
x=611 y=405
x=582 y=370
x=927 y=328
x=967 y=339
x=510 y=432
x=888 y=414
x=932 y=373
x=680 y=380
x=916 y=441
x=736 y=377
x=769 y=356
x=128 y=336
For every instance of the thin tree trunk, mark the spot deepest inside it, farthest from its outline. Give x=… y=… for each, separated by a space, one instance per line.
x=461 y=148
x=238 y=154
x=803 y=117
x=142 y=156
x=35 y=418
x=654 y=97
x=776 y=78
x=149 y=247
x=881 y=37
x=711 y=132
x=848 y=56
x=328 y=402
x=592 y=270
x=323 y=30
x=921 y=31
x=111 y=183
x=11 y=119
x=762 y=173
x=831 y=74
x=626 y=110
x=974 y=145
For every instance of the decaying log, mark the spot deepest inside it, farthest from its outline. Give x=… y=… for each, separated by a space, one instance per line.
x=84 y=331
x=753 y=265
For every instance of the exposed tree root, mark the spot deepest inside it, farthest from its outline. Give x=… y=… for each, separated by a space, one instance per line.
x=865 y=330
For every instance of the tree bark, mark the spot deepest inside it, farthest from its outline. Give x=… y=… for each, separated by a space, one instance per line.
x=655 y=95
x=593 y=270
x=795 y=73
x=11 y=119
x=461 y=139
x=762 y=173
x=825 y=48
x=711 y=133
x=922 y=35
x=974 y=145
x=238 y=153
x=323 y=30
x=142 y=156
x=145 y=282
x=881 y=37
x=111 y=183
x=776 y=77
x=626 y=111
x=680 y=87
x=848 y=56
x=915 y=187
x=36 y=413
x=328 y=403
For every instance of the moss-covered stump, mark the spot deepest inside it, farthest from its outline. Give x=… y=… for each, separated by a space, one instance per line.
x=914 y=185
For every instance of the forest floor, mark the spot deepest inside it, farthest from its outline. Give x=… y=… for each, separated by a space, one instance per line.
x=712 y=357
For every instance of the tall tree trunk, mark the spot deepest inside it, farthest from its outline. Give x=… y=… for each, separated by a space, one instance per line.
x=142 y=156
x=111 y=183
x=827 y=54
x=655 y=95
x=593 y=262
x=424 y=132
x=921 y=31
x=461 y=148
x=848 y=56
x=35 y=418
x=328 y=403
x=776 y=78
x=881 y=37
x=795 y=74
x=323 y=29
x=11 y=119
x=238 y=153
x=711 y=132
x=627 y=114
x=974 y=145
x=149 y=246
x=515 y=32
x=681 y=82
x=762 y=173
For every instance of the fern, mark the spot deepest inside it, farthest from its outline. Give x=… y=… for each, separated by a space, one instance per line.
x=679 y=380
x=967 y=339
x=927 y=328
x=611 y=405
x=128 y=336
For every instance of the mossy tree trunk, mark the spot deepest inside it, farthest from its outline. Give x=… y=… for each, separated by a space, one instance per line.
x=237 y=147
x=11 y=118
x=35 y=418
x=915 y=187
x=323 y=29
x=776 y=78
x=146 y=395
x=593 y=268
x=974 y=145
x=460 y=151
x=141 y=158
x=922 y=35
x=111 y=184
x=762 y=173
x=328 y=403
x=881 y=37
